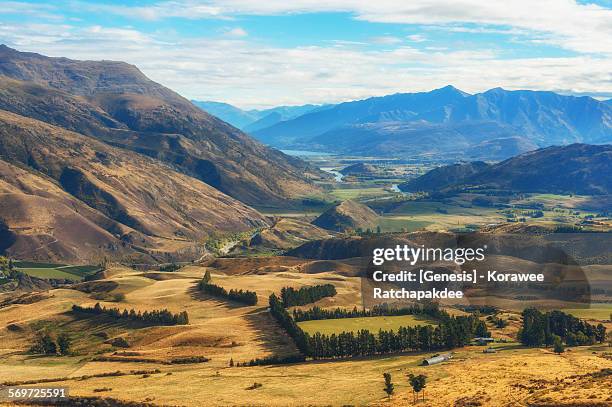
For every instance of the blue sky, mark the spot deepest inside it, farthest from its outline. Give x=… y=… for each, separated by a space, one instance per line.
x=263 y=53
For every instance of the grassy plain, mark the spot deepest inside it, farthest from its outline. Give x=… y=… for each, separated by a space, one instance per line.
x=359 y=193
x=56 y=271
x=373 y=324
x=595 y=311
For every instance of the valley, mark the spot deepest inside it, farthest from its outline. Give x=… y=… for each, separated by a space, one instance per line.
x=154 y=254
x=464 y=210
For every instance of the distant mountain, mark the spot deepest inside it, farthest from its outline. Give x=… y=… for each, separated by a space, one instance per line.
x=442 y=177
x=576 y=168
x=471 y=140
x=543 y=117
x=448 y=123
x=114 y=102
x=230 y=114
x=252 y=120
x=398 y=107
x=270 y=117
x=347 y=215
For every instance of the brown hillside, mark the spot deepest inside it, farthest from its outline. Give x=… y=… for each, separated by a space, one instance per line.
x=288 y=233
x=347 y=215
x=115 y=102
x=125 y=194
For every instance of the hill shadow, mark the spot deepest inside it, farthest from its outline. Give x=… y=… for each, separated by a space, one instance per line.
x=198 y=295
x=269 y=334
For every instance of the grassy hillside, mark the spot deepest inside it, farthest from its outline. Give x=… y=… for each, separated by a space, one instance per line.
x=221 y=331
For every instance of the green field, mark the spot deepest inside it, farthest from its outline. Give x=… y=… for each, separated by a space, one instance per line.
x=33 y=265
x=597 y=311
x=55 y=271
x=357 y=193
x=373 y=324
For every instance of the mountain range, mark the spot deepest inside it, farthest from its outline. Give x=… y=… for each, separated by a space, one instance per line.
x=573 y=169
x=492 y=125
x=97 y=158
x=254 y=119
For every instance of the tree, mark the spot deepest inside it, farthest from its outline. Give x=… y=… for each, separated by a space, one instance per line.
x=558 y=345
x=206 y=279
x=231 y=362
x=481 y=330
x=389 y=387
x=609 y=337
x=418 y=384
x=64 y=343
x=601 y=333
x=533 y=333
x=48 y=345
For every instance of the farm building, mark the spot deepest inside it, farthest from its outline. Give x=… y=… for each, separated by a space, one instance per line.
x=437 y=359
x=483 y=341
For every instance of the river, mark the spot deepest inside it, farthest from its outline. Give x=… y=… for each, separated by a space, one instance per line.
x=331 y=170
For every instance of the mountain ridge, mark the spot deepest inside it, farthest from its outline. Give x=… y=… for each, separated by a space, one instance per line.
x=116 y=103
x=574 y=169
x=504 y=123
x=65 y=196
x=254 y=119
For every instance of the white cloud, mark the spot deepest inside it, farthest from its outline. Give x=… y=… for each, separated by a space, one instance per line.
x=416 y=38
x=385 y=40
x=30 y=9
x=249 y=73
x=236 y=32
x=571 y=25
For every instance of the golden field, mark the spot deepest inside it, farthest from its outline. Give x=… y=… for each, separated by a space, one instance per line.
x=222 y=330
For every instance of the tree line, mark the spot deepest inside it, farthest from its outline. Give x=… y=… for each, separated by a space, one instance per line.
x=306 y=295
x=269 y=360
x=541 y=329
x=451 y=332
x=155 y=317
x=48 y=344
x=244 y=296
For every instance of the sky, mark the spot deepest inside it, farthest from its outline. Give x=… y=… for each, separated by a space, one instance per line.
x=263 y=53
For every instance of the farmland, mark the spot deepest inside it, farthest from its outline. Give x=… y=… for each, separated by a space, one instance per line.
x=55 y=271
x=594 y=311
x=373 y=324
x=221 y=331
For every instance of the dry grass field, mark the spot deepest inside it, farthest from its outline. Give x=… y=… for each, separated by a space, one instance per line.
x=224 y=330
